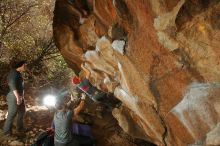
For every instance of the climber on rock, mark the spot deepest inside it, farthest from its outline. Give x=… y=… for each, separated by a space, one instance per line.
x=92 y=92
x=85 y=86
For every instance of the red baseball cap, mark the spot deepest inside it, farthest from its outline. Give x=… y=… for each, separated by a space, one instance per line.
x=75 y=80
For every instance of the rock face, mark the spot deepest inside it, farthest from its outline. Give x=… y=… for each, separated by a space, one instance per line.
x=159 y=57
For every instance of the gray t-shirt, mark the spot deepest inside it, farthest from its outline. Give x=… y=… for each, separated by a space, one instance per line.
x=63 y=122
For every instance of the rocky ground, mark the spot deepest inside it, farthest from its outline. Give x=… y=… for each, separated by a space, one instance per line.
x=105 y=128
x=37 y=120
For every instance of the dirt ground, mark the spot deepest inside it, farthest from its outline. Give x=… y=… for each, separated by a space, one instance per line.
x=38 y=117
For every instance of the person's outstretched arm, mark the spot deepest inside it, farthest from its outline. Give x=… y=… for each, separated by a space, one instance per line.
x=80 y=106
x=68 y=104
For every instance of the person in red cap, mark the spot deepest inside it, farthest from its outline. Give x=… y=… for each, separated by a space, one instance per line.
x=85 y=86
x=92 y=92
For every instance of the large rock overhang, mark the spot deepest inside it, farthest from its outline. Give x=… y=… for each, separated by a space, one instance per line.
x=157 y=57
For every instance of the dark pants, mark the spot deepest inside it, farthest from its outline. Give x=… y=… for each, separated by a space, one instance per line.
x=85 y=140
x=102 y=98
x=13 y=110
x=74 y=142
x=99 y=96
x=78 y=141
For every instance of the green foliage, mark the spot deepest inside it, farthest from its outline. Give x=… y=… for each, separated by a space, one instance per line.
x=53 y=73
x=3 y=77
x=26 y=33
x=25 y=27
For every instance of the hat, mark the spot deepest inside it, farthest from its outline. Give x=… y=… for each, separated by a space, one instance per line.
x=75 y=80
x=20 y=63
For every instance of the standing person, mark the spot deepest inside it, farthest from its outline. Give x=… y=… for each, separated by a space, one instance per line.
x=63 y=122
x=15 y=98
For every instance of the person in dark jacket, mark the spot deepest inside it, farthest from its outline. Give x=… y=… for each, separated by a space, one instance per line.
x=15 y=98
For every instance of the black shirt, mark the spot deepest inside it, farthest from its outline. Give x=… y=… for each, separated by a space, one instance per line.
x=15 y=81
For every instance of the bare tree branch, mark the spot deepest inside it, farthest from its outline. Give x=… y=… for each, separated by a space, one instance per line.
x=14 y=20
x=48 y=50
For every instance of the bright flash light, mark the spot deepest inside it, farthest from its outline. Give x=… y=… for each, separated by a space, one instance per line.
x=49 y=100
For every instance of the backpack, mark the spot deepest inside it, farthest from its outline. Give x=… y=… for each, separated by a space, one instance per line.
x=45 y=138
